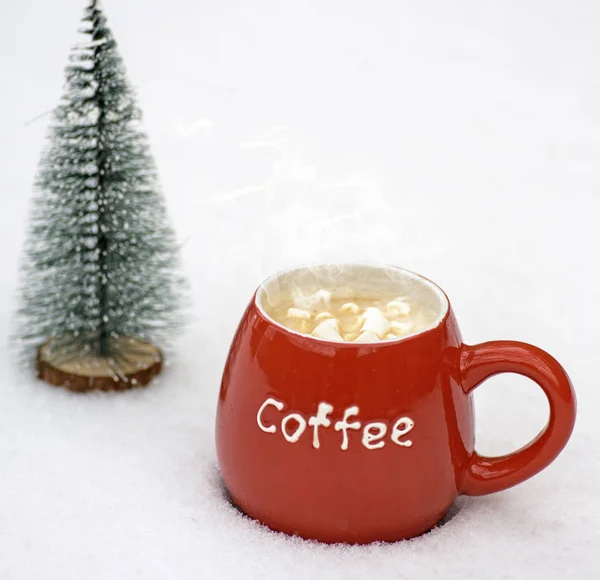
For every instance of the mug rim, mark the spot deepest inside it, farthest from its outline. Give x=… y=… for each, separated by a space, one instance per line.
x=443 y=298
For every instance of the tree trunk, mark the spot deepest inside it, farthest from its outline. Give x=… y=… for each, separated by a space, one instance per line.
x=87 y=372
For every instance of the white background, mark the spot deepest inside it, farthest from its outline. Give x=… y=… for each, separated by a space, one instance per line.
x=458 y=139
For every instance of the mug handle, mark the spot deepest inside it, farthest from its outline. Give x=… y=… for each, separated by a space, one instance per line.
x=477 y=363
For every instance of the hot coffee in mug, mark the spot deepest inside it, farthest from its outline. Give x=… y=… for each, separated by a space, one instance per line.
x=364 y=430
x=350 y=314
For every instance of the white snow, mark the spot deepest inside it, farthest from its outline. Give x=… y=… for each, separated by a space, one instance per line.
x=467 y=134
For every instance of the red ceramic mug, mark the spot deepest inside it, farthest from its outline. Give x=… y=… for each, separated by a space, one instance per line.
x=359 y=442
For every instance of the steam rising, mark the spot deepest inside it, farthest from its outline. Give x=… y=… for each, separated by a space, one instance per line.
x=299 y=214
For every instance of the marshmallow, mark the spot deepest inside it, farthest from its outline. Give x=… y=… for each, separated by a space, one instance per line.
x=328 y=329
x=367 y=336
x=300 y=326
x=319 y=300
x=375 y=322
x=360 y=320
x=323 y=297
x=400 y=328
x=398 y=307
x=323 y=316
x=350 y=336
x=331 y=323
x=390 y=336
x=298 y=313
x=349 y=308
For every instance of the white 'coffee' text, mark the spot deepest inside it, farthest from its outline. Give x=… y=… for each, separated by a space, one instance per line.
x=293 y=426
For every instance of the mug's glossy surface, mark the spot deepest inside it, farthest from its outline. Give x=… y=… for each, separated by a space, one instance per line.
x=347 y=442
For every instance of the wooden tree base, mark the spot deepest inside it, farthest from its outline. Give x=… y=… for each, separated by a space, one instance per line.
x=140 y=363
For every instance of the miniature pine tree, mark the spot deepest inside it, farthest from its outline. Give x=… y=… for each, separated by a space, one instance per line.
x=101 y=258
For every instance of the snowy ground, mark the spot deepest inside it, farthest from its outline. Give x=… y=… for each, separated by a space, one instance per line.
x=458 y=139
